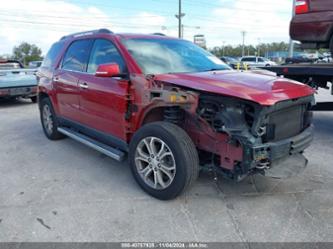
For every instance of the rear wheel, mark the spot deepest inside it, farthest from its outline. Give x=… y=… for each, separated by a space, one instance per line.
x=163 y=159
x=49 y=120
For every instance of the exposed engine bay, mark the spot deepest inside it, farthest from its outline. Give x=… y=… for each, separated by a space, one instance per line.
x=237 y=137
x=266 y=134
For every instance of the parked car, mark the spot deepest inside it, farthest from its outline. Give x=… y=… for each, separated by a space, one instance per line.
x=172 y=108
x=232 y=62
x=35 y=64
x=16 y=81
x=255 y=61
x=313 y=24
x=300 y=59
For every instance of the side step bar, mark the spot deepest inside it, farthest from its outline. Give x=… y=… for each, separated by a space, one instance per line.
x=103 y=148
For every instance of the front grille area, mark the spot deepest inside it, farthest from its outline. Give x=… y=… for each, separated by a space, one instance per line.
x=286 y=123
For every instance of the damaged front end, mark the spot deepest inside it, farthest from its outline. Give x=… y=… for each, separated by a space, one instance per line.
x=240 y=137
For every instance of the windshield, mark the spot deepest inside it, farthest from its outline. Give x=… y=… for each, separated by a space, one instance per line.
x=159 y=56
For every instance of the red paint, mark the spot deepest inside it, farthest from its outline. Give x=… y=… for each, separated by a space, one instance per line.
x=104 y=102
x=107 y=70
x=263 y=89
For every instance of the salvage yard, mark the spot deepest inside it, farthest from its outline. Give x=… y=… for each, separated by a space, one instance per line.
x=64 y=191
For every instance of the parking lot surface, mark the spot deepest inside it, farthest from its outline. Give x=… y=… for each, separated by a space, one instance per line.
x=64 y=191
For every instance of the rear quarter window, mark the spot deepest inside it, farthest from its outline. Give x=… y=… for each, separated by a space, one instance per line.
x=52 y=54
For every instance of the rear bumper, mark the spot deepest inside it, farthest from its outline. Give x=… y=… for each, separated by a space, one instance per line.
x=26 y=91
x=312 y=27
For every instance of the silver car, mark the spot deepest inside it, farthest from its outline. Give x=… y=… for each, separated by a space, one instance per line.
x=256 y=61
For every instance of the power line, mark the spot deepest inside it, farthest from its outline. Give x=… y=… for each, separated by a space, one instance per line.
x=107 y=19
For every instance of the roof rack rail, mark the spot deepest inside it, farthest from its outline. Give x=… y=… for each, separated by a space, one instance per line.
x=160 y=34
x=90 y=32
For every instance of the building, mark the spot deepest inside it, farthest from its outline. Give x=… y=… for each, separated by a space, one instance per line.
x=200 y=40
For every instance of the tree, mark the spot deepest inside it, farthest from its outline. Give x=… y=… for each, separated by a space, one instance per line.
x=26 y=52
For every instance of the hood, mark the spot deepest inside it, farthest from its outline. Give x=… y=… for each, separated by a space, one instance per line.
x=257 y=87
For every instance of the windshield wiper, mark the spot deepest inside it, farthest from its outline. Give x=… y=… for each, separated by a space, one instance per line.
x=214 y=69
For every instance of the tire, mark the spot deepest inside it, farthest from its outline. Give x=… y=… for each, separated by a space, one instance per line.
x=34 y=99
x=178 y=152
x=49 y=120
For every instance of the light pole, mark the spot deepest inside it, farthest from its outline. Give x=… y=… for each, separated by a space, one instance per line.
x=243 y=47
x=291 y=43
x=179 y=17
x=259 y=40
x=223 y=48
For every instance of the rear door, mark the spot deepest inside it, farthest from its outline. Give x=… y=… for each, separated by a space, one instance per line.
x=103 y=101
x=261 y=62
x=66 y=77
x=250 y=61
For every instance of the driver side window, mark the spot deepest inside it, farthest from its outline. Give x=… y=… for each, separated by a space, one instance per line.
x=103 y=52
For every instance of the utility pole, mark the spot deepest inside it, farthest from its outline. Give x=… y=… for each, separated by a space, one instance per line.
x=243 y=47
x=179 y=17
x=259 y=41
x=223 y=48
x=291 y=42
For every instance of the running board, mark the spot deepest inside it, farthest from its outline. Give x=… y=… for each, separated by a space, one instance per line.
x=96 y=145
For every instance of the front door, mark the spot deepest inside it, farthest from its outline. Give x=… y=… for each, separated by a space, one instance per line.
x=103 y=102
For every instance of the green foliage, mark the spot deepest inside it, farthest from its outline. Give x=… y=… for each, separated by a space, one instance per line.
x=259 y=50
x=26 y=52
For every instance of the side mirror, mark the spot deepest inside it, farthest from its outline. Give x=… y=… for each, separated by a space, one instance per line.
x=108 y=70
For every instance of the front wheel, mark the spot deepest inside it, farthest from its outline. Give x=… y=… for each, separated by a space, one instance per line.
x=163 y=160
x=49 y=120
x=33 y=99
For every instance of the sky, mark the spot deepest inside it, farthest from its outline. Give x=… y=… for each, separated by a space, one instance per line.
x=43 y=22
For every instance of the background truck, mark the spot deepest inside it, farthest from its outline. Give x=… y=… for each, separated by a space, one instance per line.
x=312 y=24
x=16 y=81
x=313 y=27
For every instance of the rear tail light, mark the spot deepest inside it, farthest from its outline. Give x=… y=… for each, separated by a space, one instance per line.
x=4 y=92
x=301 y=6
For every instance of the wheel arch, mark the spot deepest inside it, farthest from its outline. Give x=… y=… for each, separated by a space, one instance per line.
x=41 y=96
x=153 y=114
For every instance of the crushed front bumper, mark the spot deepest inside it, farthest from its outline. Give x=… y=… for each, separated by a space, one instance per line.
x=283 y=158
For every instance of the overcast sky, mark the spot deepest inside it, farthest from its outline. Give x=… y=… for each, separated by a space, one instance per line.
x=44 y=21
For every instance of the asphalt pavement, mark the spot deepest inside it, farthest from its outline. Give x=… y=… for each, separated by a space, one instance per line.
x=64 y=191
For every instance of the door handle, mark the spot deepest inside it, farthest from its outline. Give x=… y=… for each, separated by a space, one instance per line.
x=83 y=85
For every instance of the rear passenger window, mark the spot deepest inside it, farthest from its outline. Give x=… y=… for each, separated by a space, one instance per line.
x=52 y=54
x=77 y=56
x=104 y=52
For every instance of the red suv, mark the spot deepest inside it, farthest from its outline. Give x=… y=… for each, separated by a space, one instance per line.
x=313 y=24
x=170 y=106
